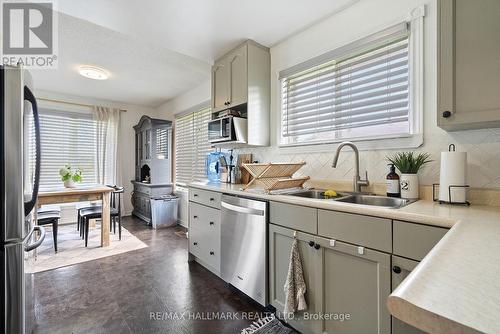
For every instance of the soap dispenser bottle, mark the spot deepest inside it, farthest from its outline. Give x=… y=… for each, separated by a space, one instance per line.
x=392 y=183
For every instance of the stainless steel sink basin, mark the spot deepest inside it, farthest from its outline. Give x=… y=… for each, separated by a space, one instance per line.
x=354 y=198
x=382 y=201
x=316 y=193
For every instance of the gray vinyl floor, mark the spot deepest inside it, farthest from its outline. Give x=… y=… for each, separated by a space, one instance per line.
x=150 y=290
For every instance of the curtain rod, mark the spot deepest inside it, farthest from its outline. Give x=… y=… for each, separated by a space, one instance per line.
x=72 y=103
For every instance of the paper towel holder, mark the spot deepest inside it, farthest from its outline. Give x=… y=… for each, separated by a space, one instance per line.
x=436 y=199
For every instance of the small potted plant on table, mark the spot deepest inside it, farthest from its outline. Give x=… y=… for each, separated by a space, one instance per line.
x=409 y=163
x=70 y=176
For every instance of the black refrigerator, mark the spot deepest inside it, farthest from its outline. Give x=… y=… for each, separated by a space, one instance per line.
x=19 y=190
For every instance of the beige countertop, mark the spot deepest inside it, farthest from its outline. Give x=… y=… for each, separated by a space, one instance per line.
x=456 y=287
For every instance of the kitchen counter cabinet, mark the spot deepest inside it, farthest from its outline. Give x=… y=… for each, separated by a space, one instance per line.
x=205 y=228
x=455 y=286
x=354 y=281
x=341 y=281
x=280 y=244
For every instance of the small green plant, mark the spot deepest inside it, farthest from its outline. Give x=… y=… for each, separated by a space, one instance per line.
x=69 y=173
x=409 y=162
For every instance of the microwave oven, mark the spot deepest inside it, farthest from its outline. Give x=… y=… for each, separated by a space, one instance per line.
x=227 y=129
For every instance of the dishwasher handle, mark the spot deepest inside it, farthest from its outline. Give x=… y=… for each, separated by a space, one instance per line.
x=241 y=209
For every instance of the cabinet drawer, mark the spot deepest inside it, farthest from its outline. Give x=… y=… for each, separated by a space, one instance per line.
x=415 y=240
x=294 y=216
x=205 y=247
x=366 y=231
x=210 y=198
x=205 y=219
x=142 y=189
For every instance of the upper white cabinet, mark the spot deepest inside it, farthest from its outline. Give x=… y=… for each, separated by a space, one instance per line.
x=241 y=81
x=230 y=84
x=468 y=64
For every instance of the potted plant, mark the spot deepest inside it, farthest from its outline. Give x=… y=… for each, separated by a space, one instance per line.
x=409 y=163
x=70 y=176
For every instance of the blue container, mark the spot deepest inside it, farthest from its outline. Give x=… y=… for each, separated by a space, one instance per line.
x=212 y=166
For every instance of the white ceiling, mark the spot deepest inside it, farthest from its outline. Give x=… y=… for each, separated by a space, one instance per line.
x=158 y=49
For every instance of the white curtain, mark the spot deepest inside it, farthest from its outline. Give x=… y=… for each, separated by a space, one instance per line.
x=107 y=122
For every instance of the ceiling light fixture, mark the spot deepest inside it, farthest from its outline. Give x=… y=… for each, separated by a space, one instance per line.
x=93 y=72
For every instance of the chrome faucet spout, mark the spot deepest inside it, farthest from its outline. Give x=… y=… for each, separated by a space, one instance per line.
x=357 y=181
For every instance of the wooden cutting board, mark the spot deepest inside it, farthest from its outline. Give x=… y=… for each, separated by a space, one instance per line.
x=244 y=159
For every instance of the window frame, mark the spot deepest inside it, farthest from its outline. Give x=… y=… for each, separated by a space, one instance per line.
x=416 y=73
x=83 y=115
x=198 y=108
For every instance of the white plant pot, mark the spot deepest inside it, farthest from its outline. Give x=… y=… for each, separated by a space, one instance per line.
x=69 y=183
x=409 y=186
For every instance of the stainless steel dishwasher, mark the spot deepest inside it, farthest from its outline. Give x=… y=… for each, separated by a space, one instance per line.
x=243 y=246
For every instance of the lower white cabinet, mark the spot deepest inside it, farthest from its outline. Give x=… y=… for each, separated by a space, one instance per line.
x=347 y=286
x=204 y=235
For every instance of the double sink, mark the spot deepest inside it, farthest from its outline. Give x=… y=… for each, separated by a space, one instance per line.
x=354 y=198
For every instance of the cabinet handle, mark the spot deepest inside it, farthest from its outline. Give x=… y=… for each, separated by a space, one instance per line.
x=311 y=243
x=195 y=243
x=212 y=253
x=195 y=217
x=212 y=199
x=396 y=269
x=211 y=223
x=195 y=195
x=317 y=246
x=446 y=114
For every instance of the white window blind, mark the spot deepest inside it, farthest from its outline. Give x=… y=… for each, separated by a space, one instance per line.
x=191 y=146
x=358 y=91
x=66 y=138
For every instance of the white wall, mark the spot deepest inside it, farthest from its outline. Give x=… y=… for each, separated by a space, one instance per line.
x=126 y=137
x=185 y=101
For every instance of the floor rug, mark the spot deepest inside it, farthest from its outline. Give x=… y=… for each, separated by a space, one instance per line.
x=71 y=248
x=268 y=325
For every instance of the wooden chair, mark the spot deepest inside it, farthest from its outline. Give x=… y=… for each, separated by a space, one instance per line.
x=96 y=213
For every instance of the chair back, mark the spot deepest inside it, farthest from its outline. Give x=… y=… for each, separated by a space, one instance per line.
x=116 y=198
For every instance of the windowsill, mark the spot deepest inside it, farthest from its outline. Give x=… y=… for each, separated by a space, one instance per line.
x=403 y=142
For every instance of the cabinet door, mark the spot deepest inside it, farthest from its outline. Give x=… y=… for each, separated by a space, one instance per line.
x=238 y=75
x=469 y=65
x=141 y=145
x=401 y=268
x=147 y=144
x=280 y=244
x=354 y=282
x=221 y=84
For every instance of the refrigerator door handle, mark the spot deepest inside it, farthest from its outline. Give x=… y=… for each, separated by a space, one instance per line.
x=31 y=246
x=28 y=96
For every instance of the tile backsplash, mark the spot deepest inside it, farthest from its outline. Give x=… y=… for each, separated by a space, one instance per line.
x=482 y=146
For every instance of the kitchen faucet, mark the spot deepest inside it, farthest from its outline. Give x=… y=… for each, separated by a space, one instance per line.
x=357 y=182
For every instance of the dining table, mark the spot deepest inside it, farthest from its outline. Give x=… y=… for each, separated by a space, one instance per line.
x=81 y=193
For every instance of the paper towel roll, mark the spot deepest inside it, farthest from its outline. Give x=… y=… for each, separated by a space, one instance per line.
x=453 y=172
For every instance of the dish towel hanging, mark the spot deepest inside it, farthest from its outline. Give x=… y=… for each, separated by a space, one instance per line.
x=295 y=286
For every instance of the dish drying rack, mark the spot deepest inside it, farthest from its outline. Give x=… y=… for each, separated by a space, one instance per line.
x=274 y=176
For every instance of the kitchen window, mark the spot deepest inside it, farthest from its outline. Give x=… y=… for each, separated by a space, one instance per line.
x=369 y=89
x=191 y=146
